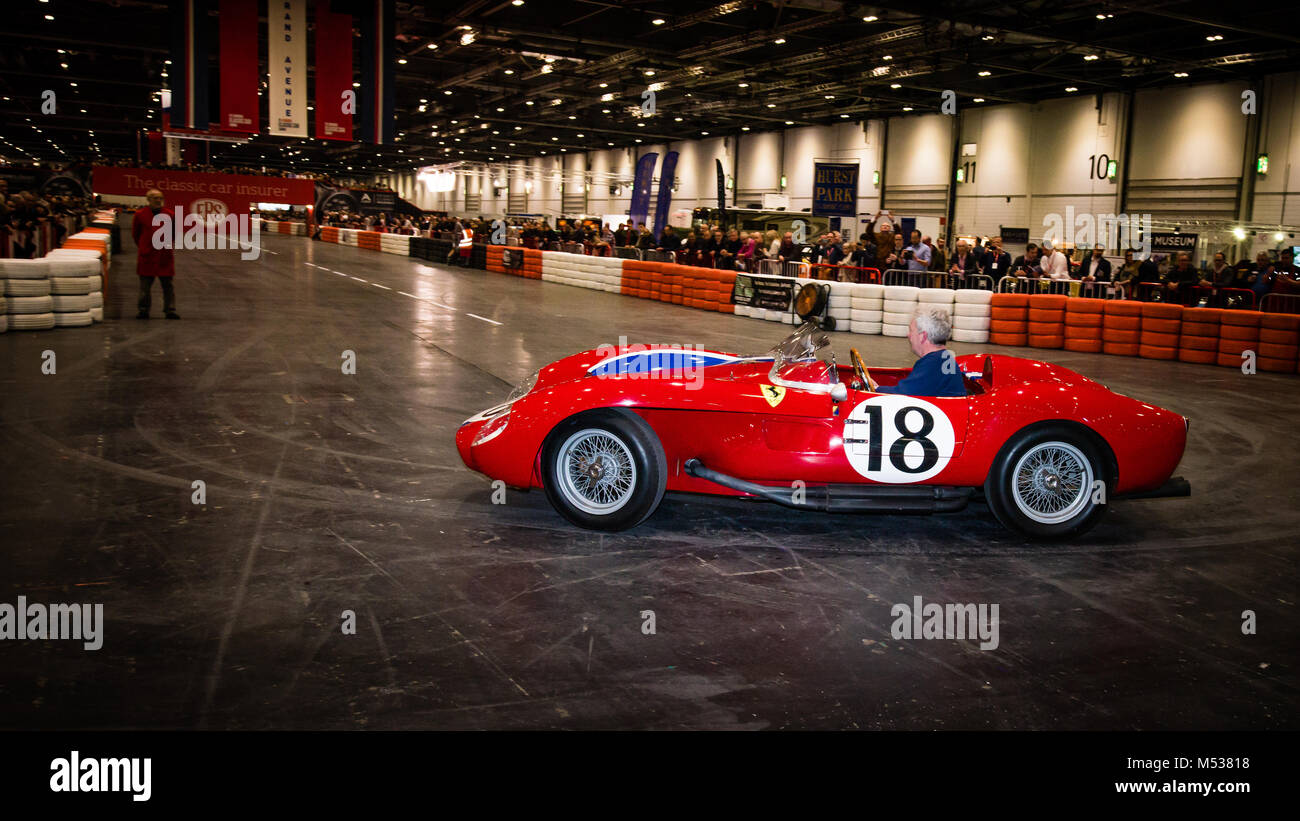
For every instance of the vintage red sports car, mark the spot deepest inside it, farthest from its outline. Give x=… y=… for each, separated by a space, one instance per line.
x=606 y=432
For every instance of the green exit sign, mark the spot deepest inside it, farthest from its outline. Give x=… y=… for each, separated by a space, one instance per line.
x=1112 y=168
x=1261 y=164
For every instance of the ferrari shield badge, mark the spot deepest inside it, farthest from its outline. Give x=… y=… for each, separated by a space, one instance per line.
x=773 y=394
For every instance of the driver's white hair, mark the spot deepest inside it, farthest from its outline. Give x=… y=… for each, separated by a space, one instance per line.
x=935 y=323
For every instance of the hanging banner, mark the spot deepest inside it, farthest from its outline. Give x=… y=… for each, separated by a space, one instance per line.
x=645 y=169
x=665 y=198
x=335 y=102
x=237 y=43
x=286 y=67
x=835 y=189
x=188 y=77
x=209 y=194
x=375 y=97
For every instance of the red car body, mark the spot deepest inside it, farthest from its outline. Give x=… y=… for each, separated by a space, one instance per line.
x=728 y=420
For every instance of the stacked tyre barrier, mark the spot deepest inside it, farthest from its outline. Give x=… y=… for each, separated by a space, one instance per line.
x=866 y=309
x=1082 y=331
x=28 y=303
x=705 y=289
x=899 y=306
x=1279 y=343
x=1238 y=333
x=494 y=258
x=1198 y=336
x=1045 y=321
x=1162 y=325
x=1121 y=327
x=972 y=315
x=1009 y=319
x=579 y=270
x=76 y=291
x=369 y=240
x=399 y=244
x=329 y=234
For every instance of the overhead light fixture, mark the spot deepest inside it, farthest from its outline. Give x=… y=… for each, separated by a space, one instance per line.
x=606 y=97
x=907 y=108
x=743 y=85
x=1180 y=73
x=771 y=105
x=895 y=85
x=780 y=41
x=1239 y=233
x=1091 y=57
x=1213 y=37
x=887 y=57
x=789 y=122
x=844 y=116
x=447 y=92
x=870 y=18
x=516 y=2
x=548 y=68
x=744 y=128
x=985 y=73
x=830 y=96
x=467 y=38
x=1071 y=88
x=528 y=102
x=658 y=21
x=401 y=61
x=978 y=100
x=987 y=37
x=432 y=46
x=508 y=71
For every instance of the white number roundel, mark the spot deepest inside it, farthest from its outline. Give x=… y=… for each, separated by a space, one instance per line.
x=898 y=439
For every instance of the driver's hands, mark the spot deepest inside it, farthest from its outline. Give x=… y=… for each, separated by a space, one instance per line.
x=872 y=384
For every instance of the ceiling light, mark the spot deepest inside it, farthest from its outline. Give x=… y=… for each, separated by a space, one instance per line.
x=704 y=133
x=604 y=85
x=356 y=85
x=401 y=61
x=789 y=122
x=467 y=38
x=1180 y=73
x=870 y=18
x=985 y=73
x=548 y=68
x=432 y=46
x=895 y=85
x=844 y=116
x=907 y=108
x=638 y=139
x=771 y=105
x=677 y=119
x=744 y=128
x=780 y=41
x=649 y=72
x=447 y=92
x=987 y=37
x=978 y=100
x=516 y=2
x=658 y=21
x=582 y=135
x=887 y=57
x=1071 y=88
x=1091 y=57
x=1214 y=37
x=743 y=85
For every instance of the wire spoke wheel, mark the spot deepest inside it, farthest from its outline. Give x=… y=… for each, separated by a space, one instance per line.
x=596 y=471
x=1052 y=482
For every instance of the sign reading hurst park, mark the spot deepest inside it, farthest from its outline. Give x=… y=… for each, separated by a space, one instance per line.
x=835 y=189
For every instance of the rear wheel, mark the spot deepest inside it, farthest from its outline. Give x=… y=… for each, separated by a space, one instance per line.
x=604 y=470
x=1048 y=483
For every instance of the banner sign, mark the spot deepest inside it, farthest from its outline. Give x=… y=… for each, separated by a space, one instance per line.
x=189 y=69
x=333 y=73
x=1170 y=243
x=722 y=188
x=665 y=198
x=645 y=169
x=763 y=292
x=237 y=38
x=209 y=194
x=835 y=189
x=375 y=103
x=1015 y=236
x=286 y=67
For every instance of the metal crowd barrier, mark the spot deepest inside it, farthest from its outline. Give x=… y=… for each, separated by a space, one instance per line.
x=769 y=267
x=1280 y=303
x=1062 y=287
x=902 y=276
x=654 y=255
x=1216 y=297
x=794 y=269
x=845 y=273
x=627 y=252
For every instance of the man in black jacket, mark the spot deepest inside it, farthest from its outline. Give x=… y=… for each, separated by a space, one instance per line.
x=670 y=241
x=995 y=263
x=964 y=260
x=1095 y=268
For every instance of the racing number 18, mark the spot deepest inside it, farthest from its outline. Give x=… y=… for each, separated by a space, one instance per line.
x=897 y=450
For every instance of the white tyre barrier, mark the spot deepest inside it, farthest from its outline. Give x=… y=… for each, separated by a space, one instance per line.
x=970 y=336
x=73 y=267
x=96 y=299
x=70 y=303
x=935 y=296
x=973 y=296
x=4 y=323
x=971 y=323
x=894 y=330
x=73 y=319
x=865 y=327
x=26 y=287
x=857 y=315
x=31 y=322
x=892 y=318
x=900 y=306
x=97 y=314
x=24 y=268
x=31 y=304
x=75 y=285
x=972 y=309
x=906 y=293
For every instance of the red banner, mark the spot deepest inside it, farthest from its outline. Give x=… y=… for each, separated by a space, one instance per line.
x=238 y=66
x=209 y=194
x=333 y=74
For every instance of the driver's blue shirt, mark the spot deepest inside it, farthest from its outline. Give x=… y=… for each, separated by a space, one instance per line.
x=928 y=379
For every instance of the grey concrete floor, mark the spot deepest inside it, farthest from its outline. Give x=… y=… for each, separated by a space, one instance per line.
x=329 y=492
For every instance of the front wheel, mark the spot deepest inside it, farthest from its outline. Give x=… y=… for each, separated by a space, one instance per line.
x=1048 y=483
x=604 y=470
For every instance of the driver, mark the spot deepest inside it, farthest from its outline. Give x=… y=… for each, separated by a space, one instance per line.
x=928 y=333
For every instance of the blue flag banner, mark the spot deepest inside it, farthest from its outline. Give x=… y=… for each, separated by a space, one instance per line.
x=835 y=189
x=665 y=198
x=645 y=169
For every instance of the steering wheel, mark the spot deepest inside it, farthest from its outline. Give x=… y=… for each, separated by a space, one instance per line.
x=860 y=368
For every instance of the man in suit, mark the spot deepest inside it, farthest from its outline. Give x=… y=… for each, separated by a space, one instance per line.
x=963 y=261
x=1095 y=268
x=1028 y=264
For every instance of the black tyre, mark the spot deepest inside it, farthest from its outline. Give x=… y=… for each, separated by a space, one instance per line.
x=1044 y=482
x=829 y=323
x=604 y=470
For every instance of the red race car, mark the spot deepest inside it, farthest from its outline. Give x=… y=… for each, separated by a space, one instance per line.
x=607 y=431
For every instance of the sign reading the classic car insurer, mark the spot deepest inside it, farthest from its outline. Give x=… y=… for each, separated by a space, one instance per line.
x=898 y=439
x=763 y=292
